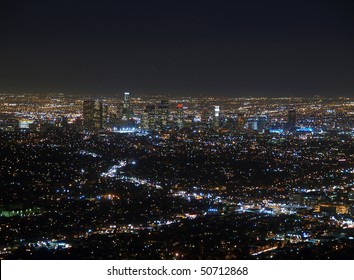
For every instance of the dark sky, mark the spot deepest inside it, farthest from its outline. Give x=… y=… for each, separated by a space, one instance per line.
x=234 y=48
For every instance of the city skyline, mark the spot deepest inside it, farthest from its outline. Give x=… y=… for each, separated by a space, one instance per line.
x=168 y=178
x=177 y=130
x=192 y=48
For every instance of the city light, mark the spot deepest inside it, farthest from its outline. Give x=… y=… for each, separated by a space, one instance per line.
x=154 y=176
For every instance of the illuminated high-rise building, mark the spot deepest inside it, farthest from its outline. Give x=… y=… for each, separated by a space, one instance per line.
x=126 y=100
x=88 y=114
x=162 y=115
x=216 y=111
x=148 y=118
x=127 y=112
x=292 y=118
x=144 y=120
x=95 y=115
x=180 y=115
x=105 y=116
x=252 y=122
x=262 y=122
x=216 y=116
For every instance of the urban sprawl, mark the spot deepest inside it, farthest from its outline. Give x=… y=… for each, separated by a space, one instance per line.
x=161 y=177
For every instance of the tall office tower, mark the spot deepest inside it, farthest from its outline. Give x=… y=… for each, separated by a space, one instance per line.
x=127 y=111
x=105 y=116
x=216 y=116
x=252 y=122
x=180 y=115
x=98 y=115
x=146 y=115
x=88 y=114
x=119 y=111
x=262 y=122
x=95 y=115
x=144 y=121
x=292 y=118
x=149 y=118
x=162 y=115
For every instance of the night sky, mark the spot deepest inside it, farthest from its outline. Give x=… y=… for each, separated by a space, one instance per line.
x=221 y=48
